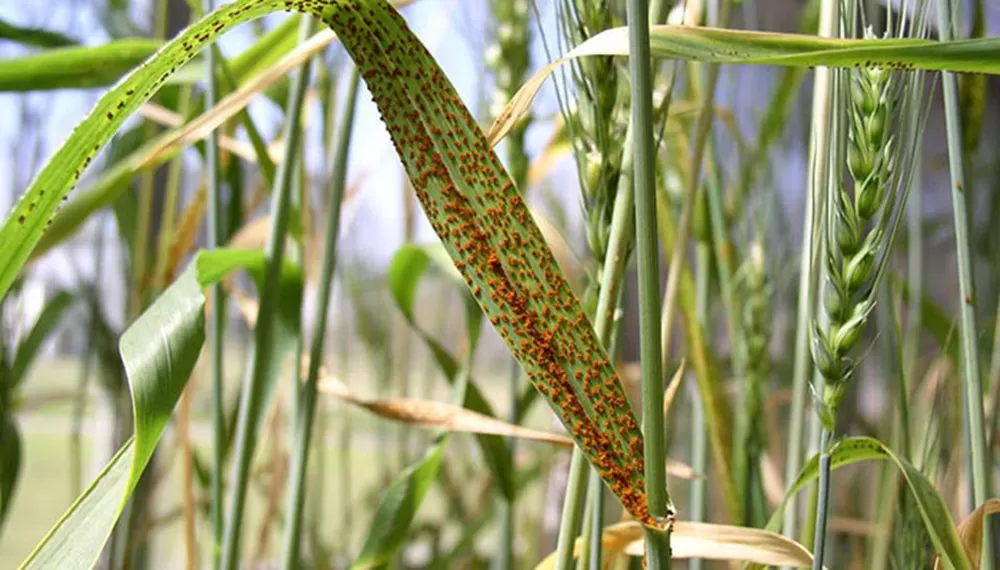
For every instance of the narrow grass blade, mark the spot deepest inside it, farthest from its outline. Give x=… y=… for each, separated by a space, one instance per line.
x=244 y=150
x=660 y=506
x=159 y=352
x=186 y=234
x=74 y=67
x=37 y=37
x=406 y=272
x=392 y=520
x=981 y=472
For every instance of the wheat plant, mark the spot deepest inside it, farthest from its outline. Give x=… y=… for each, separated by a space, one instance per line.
x=675 y=394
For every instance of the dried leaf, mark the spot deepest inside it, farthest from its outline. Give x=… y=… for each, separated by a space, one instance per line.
x=186 y=232
x=970 y=531
x=671 y=393
x=433 y=414
x=244 y=150
x=705 y=540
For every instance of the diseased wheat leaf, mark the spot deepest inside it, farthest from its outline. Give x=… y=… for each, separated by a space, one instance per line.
x=467 y=195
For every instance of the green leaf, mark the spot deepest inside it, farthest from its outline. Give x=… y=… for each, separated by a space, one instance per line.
x=719 y=45
x=800 y=50
x=391 y=524
x=74 y=67
x=10 y=464
x=407 y=269
x=937 y=519
x=159 y=352
x=467 y=195
x=37 y=37
x=28 y=347
x=399 y=507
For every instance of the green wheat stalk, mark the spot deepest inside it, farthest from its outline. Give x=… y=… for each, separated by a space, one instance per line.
x=860 y=226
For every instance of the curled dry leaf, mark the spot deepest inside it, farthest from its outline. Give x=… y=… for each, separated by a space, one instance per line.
x=554 y=151
x=245 y=304
x=970 y=531
x=707 y=541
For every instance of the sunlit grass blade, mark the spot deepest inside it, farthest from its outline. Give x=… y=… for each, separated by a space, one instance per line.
x=159 y=352
x=243 y=150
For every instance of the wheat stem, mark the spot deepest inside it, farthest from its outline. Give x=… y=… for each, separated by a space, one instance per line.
x=980 y=473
